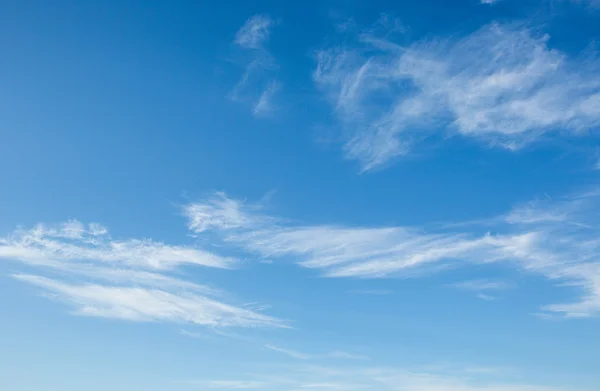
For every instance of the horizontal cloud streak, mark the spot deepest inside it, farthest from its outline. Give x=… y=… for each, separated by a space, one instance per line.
x=553 y=239
x=72 y=241
x=141 y=304
x=124 y=279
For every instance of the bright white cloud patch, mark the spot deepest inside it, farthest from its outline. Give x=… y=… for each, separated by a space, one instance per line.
x=124 y=279
x=562 y=249
x=503 y=85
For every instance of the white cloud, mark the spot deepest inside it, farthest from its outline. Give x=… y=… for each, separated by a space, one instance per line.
x=502 y=84
x=258 y=84
x=542 y=211
x=124 y=279
x=73 y=242
x=255 y=32
x=489 y=1
x=561 y=249
x=585 y=275
x=220 y=212
x=148 y=305
x=91 y=272
x=363 y=252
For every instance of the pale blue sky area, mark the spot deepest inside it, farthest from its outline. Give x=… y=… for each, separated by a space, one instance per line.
x=283 y=196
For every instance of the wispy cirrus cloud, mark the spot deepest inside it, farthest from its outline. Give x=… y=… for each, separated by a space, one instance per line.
x=503 y=85
x=255 y=32
x=356 y=251
x=259 y=84
x=74 y=241
x=148 y=305
x=135 y=280
x=562 y=249
x=222 y=213
x=265 y=106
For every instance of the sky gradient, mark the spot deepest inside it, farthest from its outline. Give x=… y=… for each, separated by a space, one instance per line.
x=286 y=196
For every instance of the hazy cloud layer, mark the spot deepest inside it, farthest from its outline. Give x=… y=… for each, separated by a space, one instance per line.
x=362 y=378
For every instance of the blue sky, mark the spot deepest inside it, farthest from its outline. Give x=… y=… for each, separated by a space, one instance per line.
x=333 y=195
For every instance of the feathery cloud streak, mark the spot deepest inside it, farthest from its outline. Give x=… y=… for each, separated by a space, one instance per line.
x=130 y=280
x=530 y=237
x=502 y=85
x=73 y=241
x=148 y=305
